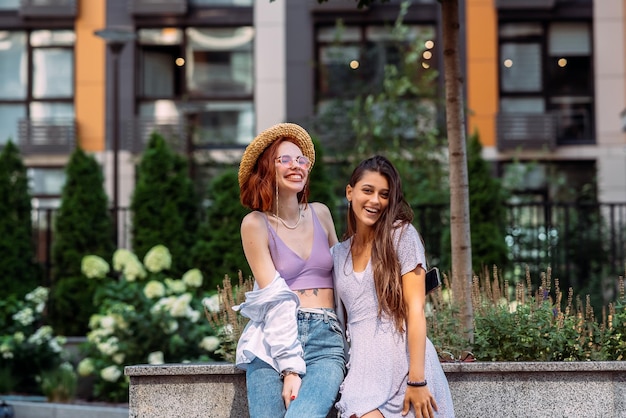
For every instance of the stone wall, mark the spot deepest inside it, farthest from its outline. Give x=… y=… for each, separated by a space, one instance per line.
x=480 y=389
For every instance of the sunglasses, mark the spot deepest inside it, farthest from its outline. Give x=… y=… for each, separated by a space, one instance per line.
x=448 y=357
x=288 y=161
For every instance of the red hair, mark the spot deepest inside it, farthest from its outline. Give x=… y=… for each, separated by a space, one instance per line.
x=259 y=192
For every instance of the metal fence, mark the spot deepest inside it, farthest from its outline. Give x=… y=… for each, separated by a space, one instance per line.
x=577 y=241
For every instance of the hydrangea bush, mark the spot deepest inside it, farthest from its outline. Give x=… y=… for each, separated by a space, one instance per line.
x=28 y=349
x=144 y=317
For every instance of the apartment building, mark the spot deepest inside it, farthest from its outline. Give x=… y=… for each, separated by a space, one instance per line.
x=545 y=81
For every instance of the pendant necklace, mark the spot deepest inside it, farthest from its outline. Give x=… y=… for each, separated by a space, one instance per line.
x=282 y=221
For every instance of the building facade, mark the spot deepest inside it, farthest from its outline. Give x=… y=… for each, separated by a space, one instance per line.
x=545 y=81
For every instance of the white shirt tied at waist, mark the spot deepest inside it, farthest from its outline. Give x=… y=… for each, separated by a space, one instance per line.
x=272 y=332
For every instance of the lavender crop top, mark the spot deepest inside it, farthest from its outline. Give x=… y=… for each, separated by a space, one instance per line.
x=312 y=273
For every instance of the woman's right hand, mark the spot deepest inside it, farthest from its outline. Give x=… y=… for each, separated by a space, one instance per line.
x=291 y=387
x=422 y=400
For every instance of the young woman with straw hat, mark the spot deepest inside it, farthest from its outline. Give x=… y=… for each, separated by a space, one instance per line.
x=292 y=348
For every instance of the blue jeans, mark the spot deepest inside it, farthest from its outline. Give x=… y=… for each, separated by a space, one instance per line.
x=322 y=340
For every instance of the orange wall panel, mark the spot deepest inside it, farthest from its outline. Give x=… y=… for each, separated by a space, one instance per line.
x=482 y=68
x=90 y=75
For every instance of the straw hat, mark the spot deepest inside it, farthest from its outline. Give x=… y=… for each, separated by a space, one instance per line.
x=265 y=139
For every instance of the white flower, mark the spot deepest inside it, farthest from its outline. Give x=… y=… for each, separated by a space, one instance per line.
x=56 y=344
x=156 y=357
x=108 y=347
x=5 y=350
x=118 y=358
x=133 y=270
x=94 y=267
x=212 y=303
x=38 y=295
x=25 y=317
x=98 y=335
x=107 y=322
x=111 y=373
x=210 y=343
x=154 y=289
x=158 y=259
x=42 y=334
x=228 y=329
x=19 y=337
x=193 y=315
x=175 y=287
x=193 y=278
x=180 y=306
x=170 y=326
x=94 y=321
x=121 y=257
x=86 y=367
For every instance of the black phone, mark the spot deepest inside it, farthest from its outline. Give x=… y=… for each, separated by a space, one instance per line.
x=433 y=279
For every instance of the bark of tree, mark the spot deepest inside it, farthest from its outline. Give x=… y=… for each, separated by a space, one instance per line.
x=459 y=183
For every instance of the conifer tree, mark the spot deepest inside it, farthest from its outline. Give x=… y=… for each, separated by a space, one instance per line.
x=218 y=251
x=164 y=205
x=83 y=226
x=19 y=272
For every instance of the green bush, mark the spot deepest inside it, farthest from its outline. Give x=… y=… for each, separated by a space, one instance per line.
x=28 y=349
x=164 y=204
x=218 y=251
x=145 y=315
x=18 y=271
x=521 y=325
x=83 y=225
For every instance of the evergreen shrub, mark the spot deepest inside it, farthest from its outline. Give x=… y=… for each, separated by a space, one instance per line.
x=164 y=204
x=83 y=225
x=19 y=272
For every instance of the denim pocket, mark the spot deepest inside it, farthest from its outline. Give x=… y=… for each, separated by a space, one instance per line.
x=335 y=326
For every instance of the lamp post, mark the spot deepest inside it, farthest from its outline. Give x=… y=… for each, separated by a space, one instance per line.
x=116 y=38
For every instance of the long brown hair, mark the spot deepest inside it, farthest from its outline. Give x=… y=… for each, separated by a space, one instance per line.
x=259 y=192
x=385 y=263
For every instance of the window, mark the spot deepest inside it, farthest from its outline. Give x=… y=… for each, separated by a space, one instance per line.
x=353 y=58
x=46 y=94
x=46 y=181
x=546 y=68
x=197 y=84
x=9 y=4
x=221 y=2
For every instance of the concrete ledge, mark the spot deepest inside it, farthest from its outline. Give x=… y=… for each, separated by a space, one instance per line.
x=23 y=409
x=541 y=389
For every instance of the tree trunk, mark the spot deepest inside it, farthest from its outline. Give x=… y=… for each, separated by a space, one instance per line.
x=459 y=185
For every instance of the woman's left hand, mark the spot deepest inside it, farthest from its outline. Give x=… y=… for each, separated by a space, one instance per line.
x=291 y=387
x=421 y=399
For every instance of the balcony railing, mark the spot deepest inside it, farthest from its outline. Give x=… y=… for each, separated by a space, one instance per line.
x=174 y=131
x=47 y=136
x=525 y=4
x=526 y=131
x=158 y=7
x=48 y=8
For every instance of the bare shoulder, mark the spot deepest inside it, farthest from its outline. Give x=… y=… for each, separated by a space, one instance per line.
x=326 y=219
x=321 y=210
x=253 y=222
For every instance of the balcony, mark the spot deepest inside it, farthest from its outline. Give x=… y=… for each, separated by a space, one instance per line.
x=174 y=131
x=532 y=131
x=48 y=8
x=47 y=136
x=158 y=7
x=525 y=4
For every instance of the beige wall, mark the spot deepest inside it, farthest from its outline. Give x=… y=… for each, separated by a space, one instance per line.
x=270 y=63
x=610 y=98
